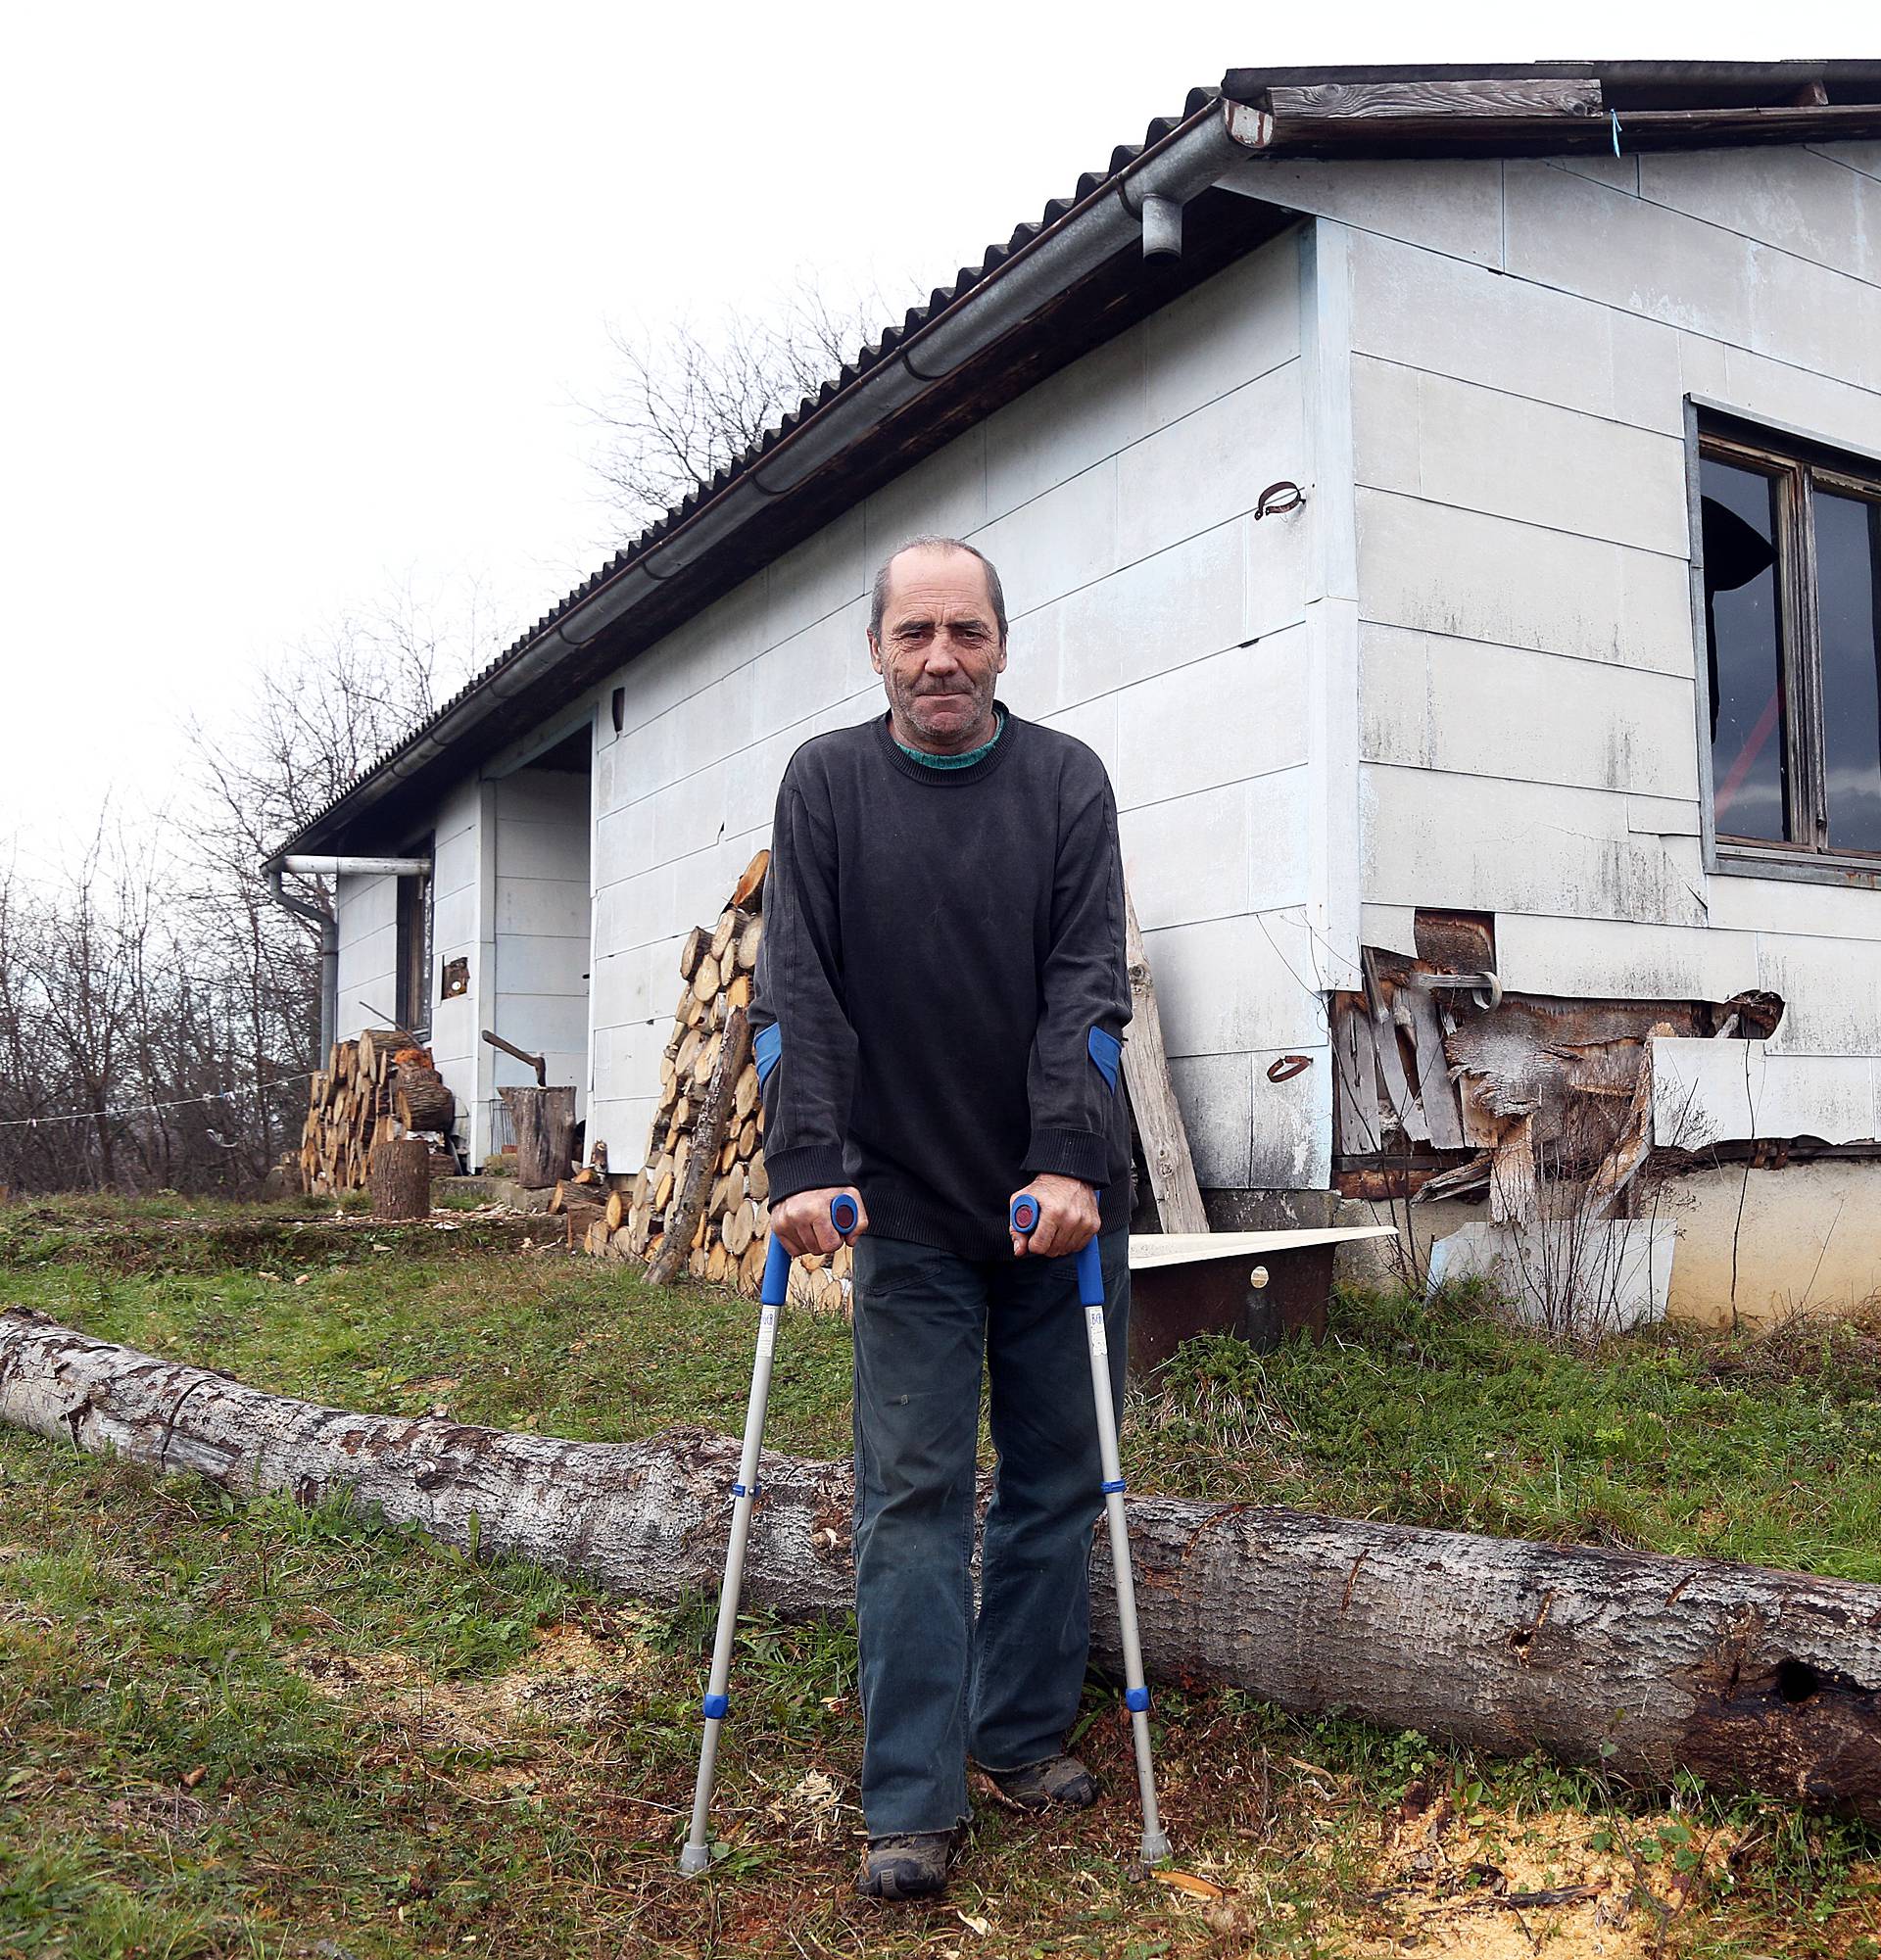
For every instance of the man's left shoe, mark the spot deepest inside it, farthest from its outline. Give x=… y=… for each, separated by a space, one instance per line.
x=1039 y=1785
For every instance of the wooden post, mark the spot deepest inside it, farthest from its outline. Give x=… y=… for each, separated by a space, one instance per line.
x=399 y=1176
x=1152 y=1097
x=545 y=1125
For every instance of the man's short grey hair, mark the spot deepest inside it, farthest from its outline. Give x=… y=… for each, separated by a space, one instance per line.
x=878 y=597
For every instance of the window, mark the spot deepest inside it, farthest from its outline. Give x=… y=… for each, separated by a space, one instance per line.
x=1791 y=542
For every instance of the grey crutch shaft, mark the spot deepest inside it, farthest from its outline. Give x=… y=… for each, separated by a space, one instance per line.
x=696 y=1855
x=1090 y=1296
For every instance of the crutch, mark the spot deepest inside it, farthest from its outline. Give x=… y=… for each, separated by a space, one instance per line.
x=777 y=1276
x=1090 y=1295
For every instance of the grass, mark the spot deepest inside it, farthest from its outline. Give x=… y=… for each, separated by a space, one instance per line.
x=232 y=1728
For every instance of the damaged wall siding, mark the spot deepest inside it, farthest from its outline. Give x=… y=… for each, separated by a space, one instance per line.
x=1116 y=500
x=1522 y=338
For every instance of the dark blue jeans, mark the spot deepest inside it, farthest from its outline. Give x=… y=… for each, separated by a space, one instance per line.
x=939 y=1682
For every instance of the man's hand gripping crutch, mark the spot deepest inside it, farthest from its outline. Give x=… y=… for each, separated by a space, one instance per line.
x=1023 y=1219
x=844 y=1218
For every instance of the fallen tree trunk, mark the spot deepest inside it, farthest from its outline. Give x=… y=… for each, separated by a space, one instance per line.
x=1762 y=1681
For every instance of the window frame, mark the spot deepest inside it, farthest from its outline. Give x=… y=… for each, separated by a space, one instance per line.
x=1717 y=429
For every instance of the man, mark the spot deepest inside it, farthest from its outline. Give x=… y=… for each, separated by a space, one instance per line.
x=940 y=1004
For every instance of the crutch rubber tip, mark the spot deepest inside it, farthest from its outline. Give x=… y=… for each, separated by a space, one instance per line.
x=694 y=1859
x=1135 y=1699
x=716 y=1706
x=1156 y=1848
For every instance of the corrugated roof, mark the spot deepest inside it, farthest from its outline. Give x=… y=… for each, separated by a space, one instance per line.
x=852 y=371
x=1725 y=85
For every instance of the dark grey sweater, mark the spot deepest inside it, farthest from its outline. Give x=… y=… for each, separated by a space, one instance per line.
x=942 y=990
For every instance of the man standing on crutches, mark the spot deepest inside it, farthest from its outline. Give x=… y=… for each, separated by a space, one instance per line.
x=940 y=1000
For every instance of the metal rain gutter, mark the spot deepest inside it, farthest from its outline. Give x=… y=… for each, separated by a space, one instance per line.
x=1184 y=164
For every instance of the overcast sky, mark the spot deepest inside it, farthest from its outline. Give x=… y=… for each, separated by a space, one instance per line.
x=301 y=301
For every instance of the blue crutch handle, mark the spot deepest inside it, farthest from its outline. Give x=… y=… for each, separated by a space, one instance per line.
x=1024 y=1218
x=777 y=1262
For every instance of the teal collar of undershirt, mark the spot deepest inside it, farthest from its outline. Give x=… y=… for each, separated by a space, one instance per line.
x=965 y=761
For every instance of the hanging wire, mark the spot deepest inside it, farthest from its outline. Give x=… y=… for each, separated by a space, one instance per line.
x=143 y=1109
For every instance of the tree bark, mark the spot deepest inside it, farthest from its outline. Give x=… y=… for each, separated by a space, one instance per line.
x=544 y=1121
x=1761 y=1680
x=400 y=1179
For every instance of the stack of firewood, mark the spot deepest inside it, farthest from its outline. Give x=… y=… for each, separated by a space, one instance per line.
x=381 y=1086
x=701 y=1204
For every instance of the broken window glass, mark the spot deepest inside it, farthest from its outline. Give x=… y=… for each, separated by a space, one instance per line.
x=1750 y=736
x=1848 y=561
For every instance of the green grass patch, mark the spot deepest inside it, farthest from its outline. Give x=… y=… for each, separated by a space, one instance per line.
x=244 y=1728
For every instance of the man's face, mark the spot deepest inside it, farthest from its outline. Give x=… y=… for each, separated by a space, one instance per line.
x=938 y=652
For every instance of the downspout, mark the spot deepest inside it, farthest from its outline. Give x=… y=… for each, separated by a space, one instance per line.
x=329 y=956
x=333 y=867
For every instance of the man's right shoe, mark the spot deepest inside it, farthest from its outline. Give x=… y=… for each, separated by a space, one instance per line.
x=912 y=1865
x=1059 y=1779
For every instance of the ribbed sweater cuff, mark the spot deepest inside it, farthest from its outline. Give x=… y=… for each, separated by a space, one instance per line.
x=1069 y=1153
x=810 y=1167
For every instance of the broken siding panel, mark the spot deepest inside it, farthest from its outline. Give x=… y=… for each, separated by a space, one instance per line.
x=1725 y=1091
x=1833 y=994
x=1435 y=703
x=1595 y=958
x=1485 y=450
x=1440 y=839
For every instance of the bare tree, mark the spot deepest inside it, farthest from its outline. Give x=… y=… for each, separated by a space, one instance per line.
x=693 y=395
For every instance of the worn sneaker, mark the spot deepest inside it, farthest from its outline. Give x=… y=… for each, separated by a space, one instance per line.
x=1039 y=1785
x=913 y=1865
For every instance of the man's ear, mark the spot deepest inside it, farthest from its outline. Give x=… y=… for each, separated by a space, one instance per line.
x=875 y=653
x=1001 y=667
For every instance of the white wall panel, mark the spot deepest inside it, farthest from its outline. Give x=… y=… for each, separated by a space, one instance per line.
x=1453 y=207
x=1432 y=702
x=1474 y=577
x=1210 y=466
x=1238 y=714
x=1783 y=194
x=1444 y=840
x=1716 y=1091
x=1597 y=959
x=1481 y=448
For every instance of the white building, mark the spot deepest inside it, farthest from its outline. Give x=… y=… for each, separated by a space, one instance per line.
x=1511 y=335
